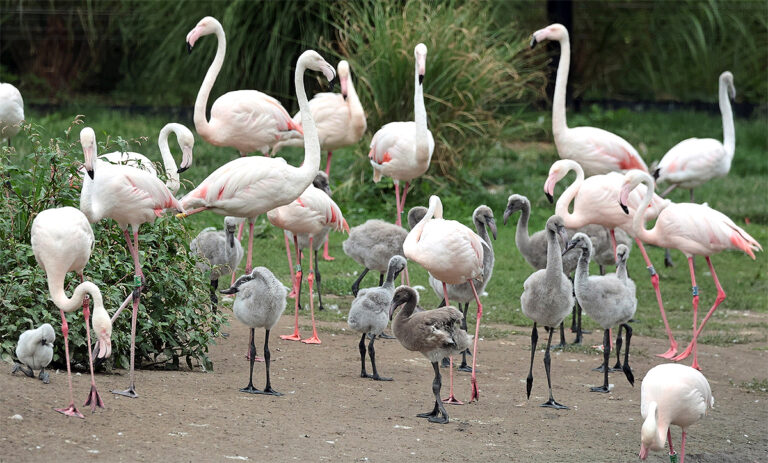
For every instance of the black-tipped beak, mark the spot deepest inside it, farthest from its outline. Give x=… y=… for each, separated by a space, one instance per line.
x=182 y=169
x=332 y=85
x=231 y=290
x=492 y=225
x=550 y=198
x=90 y=174
x=507 y=212
x=231 y=239
x=533 y=42
x=189 y=48
x=656 y=174
x=97 y=361
x=624 y=208
x=571 y=244
x=42 y=342
x=344 y=95
x=421 y=79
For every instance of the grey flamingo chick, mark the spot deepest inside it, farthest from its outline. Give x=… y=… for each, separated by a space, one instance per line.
x=435 y=333
x=259 y=303
x=369 y=314
x=547 y=299
x=35 y=351
x=609 y=299
x=221 y=253
x=462 y=293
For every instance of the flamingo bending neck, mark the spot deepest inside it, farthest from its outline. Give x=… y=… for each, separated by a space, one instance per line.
x=201 y=103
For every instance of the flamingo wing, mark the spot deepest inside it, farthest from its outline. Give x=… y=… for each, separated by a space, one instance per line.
x=694 y=161
x=599 y=151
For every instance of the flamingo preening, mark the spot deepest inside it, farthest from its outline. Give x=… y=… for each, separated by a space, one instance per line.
x=403 y=150
x=694 y=229
x=597 y=150
x=62 y=241
x=246 y=120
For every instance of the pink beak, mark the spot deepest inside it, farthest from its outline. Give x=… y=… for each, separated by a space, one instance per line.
x=624 y=196
x=193 y=35
x=344 y=87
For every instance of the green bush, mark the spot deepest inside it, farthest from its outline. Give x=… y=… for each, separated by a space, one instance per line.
x=174 y=318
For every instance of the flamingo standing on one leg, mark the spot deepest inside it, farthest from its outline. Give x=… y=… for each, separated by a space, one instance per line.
x=597 y=150
x=403 y=150
x=594 y=202
x=250 y=186
x=308 y=214
x=62 y=241
x=246 y=120
x=694 y=229
x=130 y=196
x=453 y=254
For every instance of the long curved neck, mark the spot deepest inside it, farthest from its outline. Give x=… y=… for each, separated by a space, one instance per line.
x=390 y=281
x=621 y=270
x=408 y=308
x=522 y=239
x=56 y=288
x=201 y=103
x=559 y=123
x=562 y=207
x=638 y=221
x=652 y=432
x=582 y=269
x=308 y=170
x=171 y=170
x=420 y=118
x=488 y=256
x=554 y=259
x=356 y=111
x=729 y=133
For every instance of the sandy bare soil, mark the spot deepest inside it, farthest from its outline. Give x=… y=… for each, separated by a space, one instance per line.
x=329 y=413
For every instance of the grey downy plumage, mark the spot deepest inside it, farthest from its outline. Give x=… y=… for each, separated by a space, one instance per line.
x=35 y=351
x=220 y=251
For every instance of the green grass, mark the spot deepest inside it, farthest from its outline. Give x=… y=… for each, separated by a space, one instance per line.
x=489 y=176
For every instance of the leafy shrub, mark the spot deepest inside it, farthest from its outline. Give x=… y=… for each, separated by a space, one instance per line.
x=174 y=318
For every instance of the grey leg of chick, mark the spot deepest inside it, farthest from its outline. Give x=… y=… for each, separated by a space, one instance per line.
x=21 y=368
x=44 y=377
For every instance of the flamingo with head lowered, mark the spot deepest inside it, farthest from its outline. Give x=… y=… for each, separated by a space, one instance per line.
x=250 y=186
x=403 y=150
x=597 y=150
x=246 y=120
x=694 y=229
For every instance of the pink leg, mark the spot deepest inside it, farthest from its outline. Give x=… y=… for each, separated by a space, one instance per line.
x=239 y=237
x=405 y=193
x=451 y=398
x=248 y=264
x=138 y=282
x=682 y=443
x=94 y=400
x=613 y=243
x=475 y=391
x=310 y=279
x=328 y=164
x=290 y=264
x=695 y=292
x=71 y=410
x=655 y=282
x=397 y=204
x=404 y=275
x=296 y=285
x=720 y=298
x=327 y=256
x=669 y=440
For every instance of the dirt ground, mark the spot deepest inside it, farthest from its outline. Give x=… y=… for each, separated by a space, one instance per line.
x=329 y=413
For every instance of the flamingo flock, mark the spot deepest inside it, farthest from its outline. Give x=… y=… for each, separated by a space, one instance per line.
x=613 y=188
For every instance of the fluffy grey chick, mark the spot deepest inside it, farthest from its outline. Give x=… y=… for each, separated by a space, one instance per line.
x=369 y=314
x=547 y=299
x=259 y=303
x=220 y=251
x=35 y=351
x=602 y=247
x=609 y=299
x=435 y=333
x=373 y=244
x=462 y=294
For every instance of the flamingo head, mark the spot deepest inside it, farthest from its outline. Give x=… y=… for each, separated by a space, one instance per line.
x=420 y=52
x=235 y=288
x=581 y=241
x=102 y=327
x=484 y=215
x=436 y=207
x=343 y=69
x=631 y=179
x=88 y=141
x=402 y=295
x=49 y=335
x=321 y=182
x=516 y=203
x=552 y=32
x=415 y=215
x=312 y=60
x=726 y=79
x=230 y=225
x=651 y=437
x=397 y=263
x=556 y=225
x=622 y=254
x=187 y=142
x=556 y=173
x=206 y=26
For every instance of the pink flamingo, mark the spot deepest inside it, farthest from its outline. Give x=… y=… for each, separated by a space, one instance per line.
x=246 y=120
x=671 y=394
x=594 y=202
x=453 y=254
x=597 y=150
x=250 y=186
x=130 y=196
x=695 y=230
x=62 y=241
x=403 y=150
x=308 y=214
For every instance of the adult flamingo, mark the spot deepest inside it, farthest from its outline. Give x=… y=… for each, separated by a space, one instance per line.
x=597 y=150
x=11 y=111
x=130 y=196
x=695 y=230
x=340 y=117
x=62 y=241
x=308 y=214
x=453 y=254
x=403 y=150
x=246 y=120
x=594 y=202
x=248 y=187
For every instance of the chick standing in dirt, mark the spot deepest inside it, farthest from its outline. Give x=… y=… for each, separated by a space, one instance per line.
x=35 y=351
